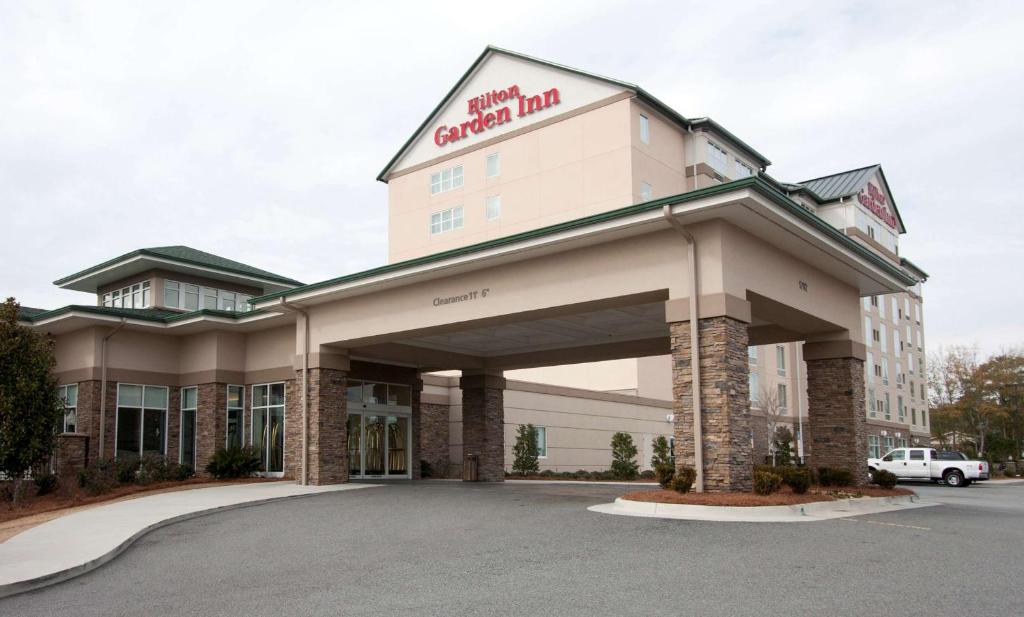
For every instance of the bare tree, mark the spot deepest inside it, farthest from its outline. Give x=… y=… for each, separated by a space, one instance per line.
x=768 y=403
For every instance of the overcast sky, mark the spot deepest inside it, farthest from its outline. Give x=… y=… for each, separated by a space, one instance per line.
x=255 y=130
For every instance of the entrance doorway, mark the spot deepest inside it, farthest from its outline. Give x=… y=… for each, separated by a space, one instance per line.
x=379 y=430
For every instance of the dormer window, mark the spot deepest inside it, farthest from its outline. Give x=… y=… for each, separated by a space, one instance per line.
x=742 y=170
x=187 y=296
x=718 y=159
x=133 y=296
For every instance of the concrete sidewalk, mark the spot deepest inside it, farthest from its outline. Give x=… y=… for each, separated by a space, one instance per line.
x=77 y=543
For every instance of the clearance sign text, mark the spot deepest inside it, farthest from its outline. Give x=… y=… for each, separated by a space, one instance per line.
x=500 y=104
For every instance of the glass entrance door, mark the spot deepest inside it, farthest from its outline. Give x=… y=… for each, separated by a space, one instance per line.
x=378 y=446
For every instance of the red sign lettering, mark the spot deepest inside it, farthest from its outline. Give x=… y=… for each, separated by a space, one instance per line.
x=874 y=200
x=480 y=121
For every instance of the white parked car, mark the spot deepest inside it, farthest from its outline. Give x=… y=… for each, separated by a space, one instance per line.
x=928 y=464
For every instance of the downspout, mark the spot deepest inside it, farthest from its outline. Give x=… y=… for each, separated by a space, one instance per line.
x=304 y=479
x=103 y=384
x=698 y=433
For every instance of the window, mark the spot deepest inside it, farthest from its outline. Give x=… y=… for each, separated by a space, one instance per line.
x=917 y=455
x=189 y=403
x=132 y=296
x=885 y=371
x=541 y=432
x=141 y=425
x=752 y=354
x=901 y=412
x=718 y=159
x=645 y=129
x=913 y=416
x=872 y=367
x=899 y=373
x=874 y=301
x=742 y=170
x=865 y=302
x=493 y=207
x=752 y=385
x=901 y=443
x=924 y=417
x=236 y=417
x=782 y=398
x=893 y=312
x=922 y=392
x=195 y=297
x=872 y=404
x=268 y=425
x=883 y=336
x=446 y=220
x=868 y=329
x=780 y=360
x=889 y=444
x=68 y=394
x=888 y=408
x=493 y=165
x=645 y=191
x=895 y=455
x=446 y=180
x=874 y=447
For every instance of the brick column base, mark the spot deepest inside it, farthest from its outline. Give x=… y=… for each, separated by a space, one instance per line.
x=483 y=423
x=71 y=454
x=434 y=442
x=328 y=420
x=725 y=402
x=835 y=415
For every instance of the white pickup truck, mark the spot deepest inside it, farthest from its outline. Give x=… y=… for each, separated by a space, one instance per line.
x=928 y=464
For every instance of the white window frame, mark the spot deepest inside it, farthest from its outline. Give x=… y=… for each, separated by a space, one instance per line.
x=446 y=179
x=717 y=157
x=141 y=290
x=222 y=296
x=181 y=424
x=142 y=415
x=496 y=171
x=645 y=129
x=646 y=191
x=874 y=447
x=780 y=360
x=227 y=413
x=492 y=207
x=541 y=432
x=753 y=385
x=452 y=217
x=284 y=425
x=72 y=410
x=783 y=398
x=742 y=167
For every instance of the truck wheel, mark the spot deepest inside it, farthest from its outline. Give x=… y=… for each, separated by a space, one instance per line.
x=953 y=478
x=871 y=475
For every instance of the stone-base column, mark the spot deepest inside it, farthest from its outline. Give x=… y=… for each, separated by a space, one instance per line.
x=89 y=416
x=836 y=425
x=328 y=418
x=724 y=398
x=483 y=423
x=211 y=422
x=415 y=455
x=434 y=441
x=71 y=454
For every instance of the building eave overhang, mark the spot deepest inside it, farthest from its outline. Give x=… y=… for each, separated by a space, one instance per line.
x=647 y=213
x=101 y=316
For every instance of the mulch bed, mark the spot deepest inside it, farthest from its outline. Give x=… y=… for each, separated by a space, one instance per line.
x=784 y=497
x=558 y=479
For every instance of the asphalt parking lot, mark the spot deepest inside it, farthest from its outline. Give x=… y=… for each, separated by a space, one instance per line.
x=446 y=548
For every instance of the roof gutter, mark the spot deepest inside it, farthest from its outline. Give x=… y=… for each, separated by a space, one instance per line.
x=698 y=433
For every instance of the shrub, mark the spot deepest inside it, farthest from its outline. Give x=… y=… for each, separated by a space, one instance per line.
x=647 y=474
x=98 y=478
x=766 y=482
x=607 y=474
x=661 y=454
x=623 y=454
x=830 y=476
x=547 y=473
x=235 y=462
x=664 y=474
x=885 y=479
x=683 y=479
x=797 y=478
x=152 y=468
x=179 y=472
x=526 y=451
x=126 y=469
x=45 y=483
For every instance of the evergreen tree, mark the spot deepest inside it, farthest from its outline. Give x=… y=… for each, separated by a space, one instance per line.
x=624 y=465
x=662 y=456
x=526 y=451
x=30 y=406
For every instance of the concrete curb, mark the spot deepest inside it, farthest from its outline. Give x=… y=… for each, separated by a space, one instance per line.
x=803 y=513
x=38 y=582
x=587 y=482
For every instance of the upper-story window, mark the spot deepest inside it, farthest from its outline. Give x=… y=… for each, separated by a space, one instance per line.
x=194 y=297
x=132 y=296
x=492 y=207
x=743 y=170
x=493 y=165
x=645 y=129
x=718 y=159
x=445 y=180
x=645 y=191
x=780 y=360
x=446 y=220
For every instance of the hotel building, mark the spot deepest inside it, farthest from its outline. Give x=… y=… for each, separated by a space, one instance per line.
x=553 y=235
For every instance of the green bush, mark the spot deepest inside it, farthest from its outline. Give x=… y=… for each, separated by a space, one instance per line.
x=547 y=473
x=885 y=479
x=526 y=451
x=682 y=480
x=235 y=462
x=664 y=474
x=766 y=482
x=179 y=472
x=661 y=455
x=624 y=465
x=152 y=468
x=99 y=477
x=126 y=469
x=830 y=476
x=647 y=474
x=797 y=478
x=45 y=483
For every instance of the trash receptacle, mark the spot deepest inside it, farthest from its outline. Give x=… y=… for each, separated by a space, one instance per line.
x=470 y=468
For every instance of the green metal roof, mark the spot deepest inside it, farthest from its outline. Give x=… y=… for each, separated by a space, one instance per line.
x=842 y=184
x=642 y=94
x=762 y=186
x=153 y=315
x=190 y=256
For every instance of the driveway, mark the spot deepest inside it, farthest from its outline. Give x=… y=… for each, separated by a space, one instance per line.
x=446 y=548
